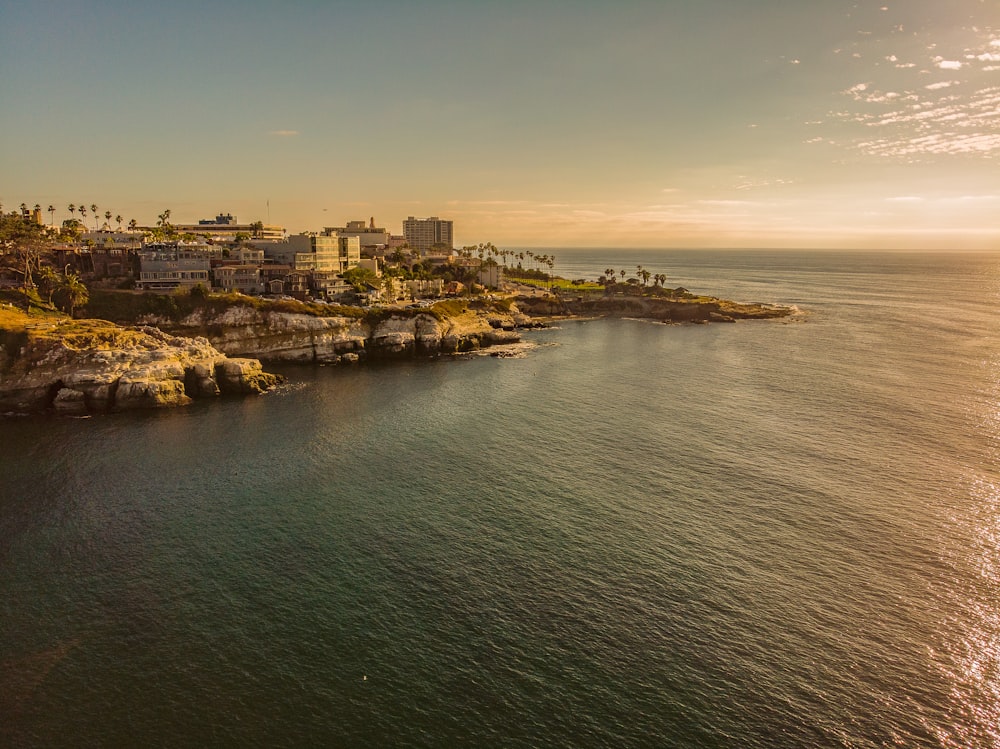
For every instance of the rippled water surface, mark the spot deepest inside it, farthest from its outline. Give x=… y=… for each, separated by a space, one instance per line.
x=764 y=534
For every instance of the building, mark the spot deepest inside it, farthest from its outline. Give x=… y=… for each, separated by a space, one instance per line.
x=369 y=235
x=225 y=227
x=168 y=268
x=247 y=255
x=491 y=275
x=424 y=233
x=245 y=279
x=314 y=252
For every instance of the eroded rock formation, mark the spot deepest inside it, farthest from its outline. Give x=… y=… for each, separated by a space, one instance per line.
x=77 y=367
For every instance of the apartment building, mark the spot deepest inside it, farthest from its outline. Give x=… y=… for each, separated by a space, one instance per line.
x=424 y=233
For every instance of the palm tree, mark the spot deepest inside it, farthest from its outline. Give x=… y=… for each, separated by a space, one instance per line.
x=132 y=224
x=118 y=220
x=83 y=214
x=72 y=209
x=52 y=214
x=107 y=217
x=71 y=293
x=93 y=209
x=48 y=281
x=645 y=274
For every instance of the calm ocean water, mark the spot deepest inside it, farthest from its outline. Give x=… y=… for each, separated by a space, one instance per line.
x=767 y=534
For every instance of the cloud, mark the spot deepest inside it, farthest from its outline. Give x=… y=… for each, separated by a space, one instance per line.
x=284 y=133
x=948 y=64
x=941 y=84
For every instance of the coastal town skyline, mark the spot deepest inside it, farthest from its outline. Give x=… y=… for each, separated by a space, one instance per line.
x=862 y=125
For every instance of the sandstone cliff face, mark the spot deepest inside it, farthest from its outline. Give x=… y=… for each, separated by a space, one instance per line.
x=108 y=368
x=291 y=337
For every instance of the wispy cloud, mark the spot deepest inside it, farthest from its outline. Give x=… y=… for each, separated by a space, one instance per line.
x=284 y=133
x=912 y=112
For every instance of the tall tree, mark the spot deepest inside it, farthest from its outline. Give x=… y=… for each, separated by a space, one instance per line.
x=48 y=281
x=107 y=217
x=52 y=214
x=97 y=216
x=71 y=293
x=118 y=220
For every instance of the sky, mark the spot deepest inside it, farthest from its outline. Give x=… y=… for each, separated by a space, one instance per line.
x=547 y=123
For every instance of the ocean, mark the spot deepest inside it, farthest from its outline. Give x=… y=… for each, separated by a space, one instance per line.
x=762 y=534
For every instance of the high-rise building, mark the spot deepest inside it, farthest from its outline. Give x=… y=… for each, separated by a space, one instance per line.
x=424 y=233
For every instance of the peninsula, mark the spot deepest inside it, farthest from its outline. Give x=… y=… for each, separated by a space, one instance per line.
x=156 y=317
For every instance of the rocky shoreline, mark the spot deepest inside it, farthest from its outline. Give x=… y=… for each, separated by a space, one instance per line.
x=78 y=367
x=282 y=336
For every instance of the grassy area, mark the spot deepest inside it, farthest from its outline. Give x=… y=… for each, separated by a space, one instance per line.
x=448 y=308
x=30 y=304
x=127 y=307
x=555 y=282
x=25 y=318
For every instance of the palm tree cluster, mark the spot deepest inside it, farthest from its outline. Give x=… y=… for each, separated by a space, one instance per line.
x=641 y=274
x=83 y=210
x=64 y=290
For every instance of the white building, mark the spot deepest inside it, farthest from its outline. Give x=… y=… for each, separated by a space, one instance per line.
x=370 y=236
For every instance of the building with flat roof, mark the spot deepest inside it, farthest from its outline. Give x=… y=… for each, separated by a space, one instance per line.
x=424 y=233
x=225 y=227
x=314 y=252
x=244 y=278
x=369 y=235
x=171 y=268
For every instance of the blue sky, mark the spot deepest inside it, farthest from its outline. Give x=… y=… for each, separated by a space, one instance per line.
x=718 y=123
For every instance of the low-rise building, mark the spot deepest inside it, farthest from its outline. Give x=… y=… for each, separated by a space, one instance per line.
x=369 y=236
x=243 y=278
x=164 y=268
x=225 y=227
x=330 y=286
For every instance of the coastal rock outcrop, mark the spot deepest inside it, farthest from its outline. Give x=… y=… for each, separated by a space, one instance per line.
x=89 y=366
x=272 y=335
x=696 y=309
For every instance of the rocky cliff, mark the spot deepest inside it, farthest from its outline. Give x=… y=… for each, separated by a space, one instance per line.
x=89 y=366
x=273 y=335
